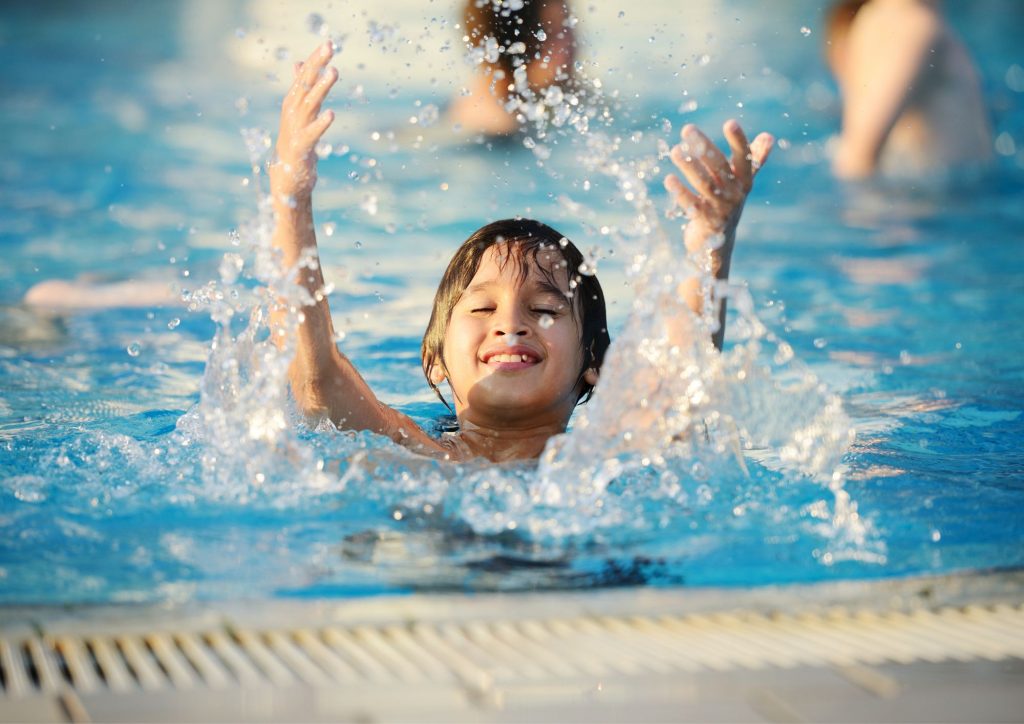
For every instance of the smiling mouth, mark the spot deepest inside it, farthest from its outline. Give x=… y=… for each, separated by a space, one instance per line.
x=516 y=361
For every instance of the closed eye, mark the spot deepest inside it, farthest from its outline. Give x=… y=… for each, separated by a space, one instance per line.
x=478 y=310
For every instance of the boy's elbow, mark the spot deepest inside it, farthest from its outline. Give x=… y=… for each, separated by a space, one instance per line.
x=310 y=398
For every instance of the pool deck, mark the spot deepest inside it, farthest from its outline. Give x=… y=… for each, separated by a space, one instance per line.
x=924 y=649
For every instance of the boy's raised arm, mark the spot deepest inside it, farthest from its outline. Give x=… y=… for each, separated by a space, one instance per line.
x=715 y=203
x=324 y=382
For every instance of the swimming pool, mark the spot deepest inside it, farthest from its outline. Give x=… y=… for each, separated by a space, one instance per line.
x=126 y=161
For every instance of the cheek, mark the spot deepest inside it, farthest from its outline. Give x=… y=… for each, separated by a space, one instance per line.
x=460 y=334
x=566 y=345
x=461 y=341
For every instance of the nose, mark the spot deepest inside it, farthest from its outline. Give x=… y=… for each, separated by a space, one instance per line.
x=510 y=323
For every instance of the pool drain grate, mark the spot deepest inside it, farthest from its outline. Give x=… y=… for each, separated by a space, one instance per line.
x=476 y=655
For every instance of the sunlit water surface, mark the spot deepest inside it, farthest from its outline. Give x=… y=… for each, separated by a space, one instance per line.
x=865 y=419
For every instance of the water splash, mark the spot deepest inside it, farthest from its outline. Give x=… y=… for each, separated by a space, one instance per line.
x=680 y=440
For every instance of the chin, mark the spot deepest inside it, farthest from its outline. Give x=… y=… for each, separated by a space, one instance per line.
x=508 y=400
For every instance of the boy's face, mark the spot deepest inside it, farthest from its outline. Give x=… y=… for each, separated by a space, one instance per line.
x=512 y=349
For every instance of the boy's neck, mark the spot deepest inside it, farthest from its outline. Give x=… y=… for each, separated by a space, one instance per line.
x=505 y=444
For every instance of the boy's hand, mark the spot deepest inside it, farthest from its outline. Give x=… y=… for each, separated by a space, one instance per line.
x=293 y=172
x=721 y=184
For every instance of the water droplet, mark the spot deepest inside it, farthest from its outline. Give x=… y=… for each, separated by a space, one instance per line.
x=369 y=204
x=323 y=149
x=805 y=31
x=134 y=349
x=553 y=95
x=563 y=242
x=329 y=228
x=541 y=35
x=783 y=354
x=428 y=116
x=315 y=23
x=231 y=265
x=704 y=59
x=545 y=321
x=282 y=53
x=622 y=13
x=1005 y=145
x=820 y=343
x=173 y=324
x=936 y=535
x=1015 y=78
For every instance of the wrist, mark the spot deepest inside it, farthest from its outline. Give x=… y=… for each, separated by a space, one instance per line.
x=290 y=201
x=289 y=188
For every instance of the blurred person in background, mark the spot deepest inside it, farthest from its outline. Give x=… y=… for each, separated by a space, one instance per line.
x=912 y=102
x=536 y=35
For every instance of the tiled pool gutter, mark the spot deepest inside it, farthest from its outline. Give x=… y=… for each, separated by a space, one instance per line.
x=925 y=649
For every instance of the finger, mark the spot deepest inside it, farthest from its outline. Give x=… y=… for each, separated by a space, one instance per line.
x=760 y=149
x=687 y=159
x=295 y=69
x=685 y=199
x=741 y=155
x=315 y=63
x=713 y=159
x=319 y=91
x=317 y=128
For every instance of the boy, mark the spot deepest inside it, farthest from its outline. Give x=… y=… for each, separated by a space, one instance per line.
x=518 y=345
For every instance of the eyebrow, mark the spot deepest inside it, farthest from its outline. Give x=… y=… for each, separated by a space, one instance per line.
x=481 y=287
x=540 y=285
x=543 y=285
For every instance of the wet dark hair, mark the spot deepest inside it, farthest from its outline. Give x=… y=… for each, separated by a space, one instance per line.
x=526 y=239
x=513 y=21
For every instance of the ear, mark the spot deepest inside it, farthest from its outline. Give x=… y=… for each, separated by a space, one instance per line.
x=436 y=374
x=591 y=376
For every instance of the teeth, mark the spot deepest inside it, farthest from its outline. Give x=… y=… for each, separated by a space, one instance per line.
x=510 y=358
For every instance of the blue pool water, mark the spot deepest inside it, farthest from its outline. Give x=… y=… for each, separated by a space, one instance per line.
x=136 y=464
